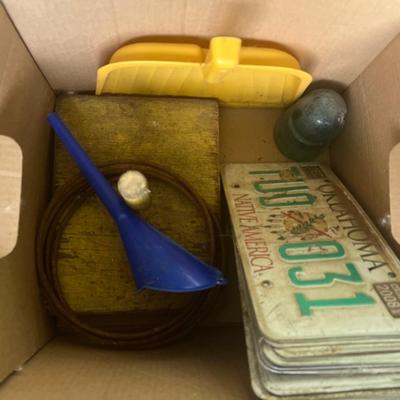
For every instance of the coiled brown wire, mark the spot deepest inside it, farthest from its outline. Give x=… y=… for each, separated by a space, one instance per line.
x=62 y=206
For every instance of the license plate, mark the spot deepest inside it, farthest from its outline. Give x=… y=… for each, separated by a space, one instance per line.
x=270 y=386
x=316 y=269
x=346 y=358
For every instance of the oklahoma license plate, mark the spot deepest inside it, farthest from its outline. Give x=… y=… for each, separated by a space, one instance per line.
x=316 y=269
x=267 y=383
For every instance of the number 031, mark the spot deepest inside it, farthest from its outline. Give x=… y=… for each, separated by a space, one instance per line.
x=296 y=277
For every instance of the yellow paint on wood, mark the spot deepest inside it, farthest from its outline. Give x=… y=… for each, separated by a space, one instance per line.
x=179 y=134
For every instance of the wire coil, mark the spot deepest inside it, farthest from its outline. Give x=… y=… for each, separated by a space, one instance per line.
x=63 y=205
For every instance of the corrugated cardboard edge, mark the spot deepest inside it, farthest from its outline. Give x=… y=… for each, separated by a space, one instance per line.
x=394 y=187
x=25 y=99
x=10 y=193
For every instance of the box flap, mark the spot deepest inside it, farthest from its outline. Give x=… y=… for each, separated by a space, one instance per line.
x=70 y=40
x=360 y=156
x=209 y=365
x=25 y=99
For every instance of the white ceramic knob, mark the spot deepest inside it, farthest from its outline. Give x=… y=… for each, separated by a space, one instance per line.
x=133 y=187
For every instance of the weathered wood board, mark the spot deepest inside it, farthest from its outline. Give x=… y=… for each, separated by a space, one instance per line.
x=181 y=135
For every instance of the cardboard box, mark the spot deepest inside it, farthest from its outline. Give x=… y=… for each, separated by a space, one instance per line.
x=46 y=46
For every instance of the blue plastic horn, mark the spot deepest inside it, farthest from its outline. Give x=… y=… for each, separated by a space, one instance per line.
x=156 y=261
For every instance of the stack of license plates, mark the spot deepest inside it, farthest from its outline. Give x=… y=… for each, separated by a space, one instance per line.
x=320 y=287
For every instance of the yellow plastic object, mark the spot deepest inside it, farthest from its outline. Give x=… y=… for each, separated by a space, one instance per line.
x=238 y=76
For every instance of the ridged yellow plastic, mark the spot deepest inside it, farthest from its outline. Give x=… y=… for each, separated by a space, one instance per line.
x=237 y=76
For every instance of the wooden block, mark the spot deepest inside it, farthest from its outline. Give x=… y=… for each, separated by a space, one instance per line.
x=179 y=134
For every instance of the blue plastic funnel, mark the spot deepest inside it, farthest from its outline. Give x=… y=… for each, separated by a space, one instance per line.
x=156 y=261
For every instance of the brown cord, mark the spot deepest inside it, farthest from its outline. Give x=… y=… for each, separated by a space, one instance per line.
x=62 y=206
